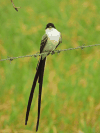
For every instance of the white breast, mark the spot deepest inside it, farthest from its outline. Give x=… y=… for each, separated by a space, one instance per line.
x=53 y=34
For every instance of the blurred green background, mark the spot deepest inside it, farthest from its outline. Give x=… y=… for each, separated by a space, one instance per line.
x=71 y=88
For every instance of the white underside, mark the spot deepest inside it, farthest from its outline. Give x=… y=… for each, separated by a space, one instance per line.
x=53 y=40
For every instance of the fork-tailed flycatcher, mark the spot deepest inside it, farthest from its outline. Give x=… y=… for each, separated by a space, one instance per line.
x=50 y=41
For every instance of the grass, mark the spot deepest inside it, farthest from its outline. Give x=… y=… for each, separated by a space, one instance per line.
x=71 y=88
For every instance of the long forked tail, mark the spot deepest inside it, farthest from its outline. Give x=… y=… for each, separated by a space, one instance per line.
x=39 y=73
x=40 y=90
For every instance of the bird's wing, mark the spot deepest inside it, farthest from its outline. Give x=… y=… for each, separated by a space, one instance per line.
x=43 y=42
x=42 y=45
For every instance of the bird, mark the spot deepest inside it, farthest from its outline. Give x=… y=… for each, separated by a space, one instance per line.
x=50 y=41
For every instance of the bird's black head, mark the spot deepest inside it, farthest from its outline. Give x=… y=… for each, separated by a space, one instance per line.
x=50 y=25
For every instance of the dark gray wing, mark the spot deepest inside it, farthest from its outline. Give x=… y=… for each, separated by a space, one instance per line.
x=43 y=42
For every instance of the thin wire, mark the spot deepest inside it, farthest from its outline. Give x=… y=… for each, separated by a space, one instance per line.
x=56 y=51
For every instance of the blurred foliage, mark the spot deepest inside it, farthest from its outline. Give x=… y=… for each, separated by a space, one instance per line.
x=71 y=88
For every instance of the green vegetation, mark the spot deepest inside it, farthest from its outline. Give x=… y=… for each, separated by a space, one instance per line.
x=71 y=88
